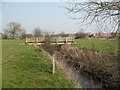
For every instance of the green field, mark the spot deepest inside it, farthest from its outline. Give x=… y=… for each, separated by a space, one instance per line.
x=22 y=69
x=109 y=46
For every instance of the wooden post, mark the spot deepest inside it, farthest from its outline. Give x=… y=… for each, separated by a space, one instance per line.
x=72 y=40
x=29 y=39
x=53 y=61
x=66 y=39
x=56 y=40
x=26 y=40
x=36 y=40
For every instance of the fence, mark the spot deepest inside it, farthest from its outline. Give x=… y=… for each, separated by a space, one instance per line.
x=55 y=40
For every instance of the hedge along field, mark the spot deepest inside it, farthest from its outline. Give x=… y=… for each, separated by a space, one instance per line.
x=109 y=46
x=22 y=69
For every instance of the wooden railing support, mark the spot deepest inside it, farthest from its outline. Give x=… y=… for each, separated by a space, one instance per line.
x=26 y=40
x=53 y=62
x=63 y=40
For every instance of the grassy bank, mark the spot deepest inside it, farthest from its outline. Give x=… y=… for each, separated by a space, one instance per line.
x=102 y=66
x=22 y=69
x=109 y=46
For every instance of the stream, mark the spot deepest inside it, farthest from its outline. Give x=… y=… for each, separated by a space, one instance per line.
x=81 y=81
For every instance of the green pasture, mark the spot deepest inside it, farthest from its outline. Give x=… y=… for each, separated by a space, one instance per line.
x=22 y=69
x=109 y=46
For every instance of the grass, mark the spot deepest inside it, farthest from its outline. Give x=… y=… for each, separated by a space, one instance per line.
x=22 y=69
x=101 y=45
x=102 y=64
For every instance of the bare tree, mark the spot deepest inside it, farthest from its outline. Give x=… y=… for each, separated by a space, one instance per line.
x=47 y=33
x=37 y=32
x=28 y=35
x=23 y=34
x=96 y=10
x=13 y=29
x=1 y=33
x=5 y=35
x=62 y=34
x=80 y=34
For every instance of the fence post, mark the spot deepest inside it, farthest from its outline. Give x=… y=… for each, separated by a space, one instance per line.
x=66 y=39
x=72 y=40
x=29 y=39
x=53 y=62
x=56 y=40
x=36 y=40
x=26 y=40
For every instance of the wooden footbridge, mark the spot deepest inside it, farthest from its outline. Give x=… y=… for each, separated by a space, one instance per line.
x=54 y=40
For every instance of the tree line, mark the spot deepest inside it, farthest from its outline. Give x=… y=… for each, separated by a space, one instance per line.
x=14 y=30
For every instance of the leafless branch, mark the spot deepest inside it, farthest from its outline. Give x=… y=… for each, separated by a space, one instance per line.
x=96 y=10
